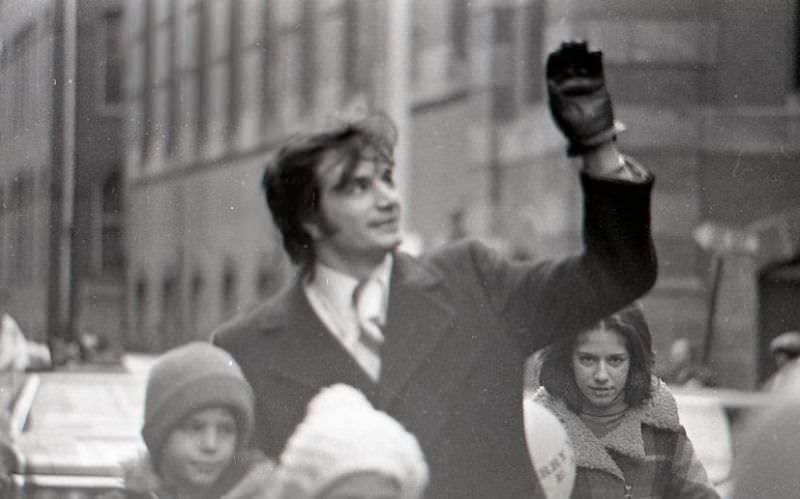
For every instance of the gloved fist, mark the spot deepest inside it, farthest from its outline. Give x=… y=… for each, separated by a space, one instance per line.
x=579 y=100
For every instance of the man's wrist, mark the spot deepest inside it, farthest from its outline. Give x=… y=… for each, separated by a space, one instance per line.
x=606 y=161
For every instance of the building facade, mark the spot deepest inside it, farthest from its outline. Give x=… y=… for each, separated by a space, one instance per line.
x=212 y=86
x=61 y=255
x=710 y=103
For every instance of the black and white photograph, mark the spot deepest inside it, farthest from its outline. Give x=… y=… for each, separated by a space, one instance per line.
x=399 y=249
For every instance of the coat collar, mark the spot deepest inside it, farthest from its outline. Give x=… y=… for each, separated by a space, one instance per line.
x=139 y=476
x=305 y=351
x=416 y=320
x=661 y=411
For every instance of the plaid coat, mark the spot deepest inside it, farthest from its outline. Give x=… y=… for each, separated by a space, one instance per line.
x=647 y=456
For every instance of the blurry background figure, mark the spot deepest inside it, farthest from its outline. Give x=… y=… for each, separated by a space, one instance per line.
x=683 y=368
x=550 y=449
x=17 y=353
x=13 y=346
x=346 y=448
x=769 y=458
x=785 y=350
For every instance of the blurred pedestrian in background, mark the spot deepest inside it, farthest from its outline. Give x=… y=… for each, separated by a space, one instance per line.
x=785 y=350
x=768 y=458
x=197 y=424
x=344 y=448
x=621 y=419
x=17 y=353
x=438 y=341
x=683 y=367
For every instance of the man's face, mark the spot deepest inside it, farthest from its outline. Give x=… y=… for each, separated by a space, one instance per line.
x=360 y=217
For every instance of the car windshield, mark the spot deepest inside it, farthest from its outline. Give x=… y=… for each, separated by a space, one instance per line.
x=87 y=402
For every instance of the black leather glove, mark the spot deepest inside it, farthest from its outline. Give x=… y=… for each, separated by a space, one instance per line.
x=579 y=100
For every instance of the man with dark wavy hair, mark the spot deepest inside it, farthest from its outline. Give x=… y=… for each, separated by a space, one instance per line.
x=438 y=341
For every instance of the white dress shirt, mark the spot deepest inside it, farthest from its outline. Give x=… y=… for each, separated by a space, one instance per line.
x=330 y=294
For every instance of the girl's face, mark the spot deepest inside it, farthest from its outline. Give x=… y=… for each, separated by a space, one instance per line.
x=363 y=485
x=600 y=363
x=199 y=449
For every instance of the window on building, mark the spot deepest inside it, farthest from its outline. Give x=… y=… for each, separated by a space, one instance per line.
x=148 y=77
x=21 y=200
x=112 y=253
x=229 y=295
x=197 y=304
x=234 y=68
x=3 y=240
x=269 y=58
x=113 y=62
x=28 y=252
x=308 y=78
x=330 y=71
x=503 y=101
x=5 y=90
x=15 y=229
x=170 y=312
x=22 y=79
x=203 y=65
x=459 y=37
x=266 y=283
x=797 y=47
x=174 y=83
x=141 y=309
x=534 y=26
x=352 y=49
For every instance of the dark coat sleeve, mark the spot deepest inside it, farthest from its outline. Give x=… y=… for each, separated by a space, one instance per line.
x=555 y=298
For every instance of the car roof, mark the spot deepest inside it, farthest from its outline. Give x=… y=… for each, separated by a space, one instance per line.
x=83 y=421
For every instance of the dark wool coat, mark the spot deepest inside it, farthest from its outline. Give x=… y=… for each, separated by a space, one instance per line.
x=648 y=456
x=461 y=322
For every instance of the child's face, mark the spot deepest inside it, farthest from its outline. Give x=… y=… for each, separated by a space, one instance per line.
x=199 y=449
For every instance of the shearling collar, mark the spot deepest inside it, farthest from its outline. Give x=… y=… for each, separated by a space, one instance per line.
x=139 y=476
x=660 y=411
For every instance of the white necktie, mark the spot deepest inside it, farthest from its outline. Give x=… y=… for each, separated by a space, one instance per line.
x=368 y=302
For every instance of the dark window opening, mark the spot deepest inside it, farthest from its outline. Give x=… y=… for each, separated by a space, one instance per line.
x=234 y=68
x=229 y=298
x=797 y=47
x=112 y=251
x=114 y=63
x=170 y=312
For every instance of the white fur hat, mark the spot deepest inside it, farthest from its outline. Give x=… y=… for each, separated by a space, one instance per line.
x=343 y=434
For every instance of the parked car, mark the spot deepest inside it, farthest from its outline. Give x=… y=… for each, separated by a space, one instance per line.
x=69 y=430
x=714 y=419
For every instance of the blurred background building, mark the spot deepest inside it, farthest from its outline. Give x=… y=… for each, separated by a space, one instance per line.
x=709 y=91
x=61 y=95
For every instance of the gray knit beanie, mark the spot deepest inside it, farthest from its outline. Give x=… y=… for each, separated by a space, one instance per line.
x=191 y=377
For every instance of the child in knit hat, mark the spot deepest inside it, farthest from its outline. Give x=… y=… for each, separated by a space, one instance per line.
x=198 y=419
x=346 y=448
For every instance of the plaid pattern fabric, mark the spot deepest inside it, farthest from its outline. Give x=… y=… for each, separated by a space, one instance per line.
x=648 y=456
x=669 y=470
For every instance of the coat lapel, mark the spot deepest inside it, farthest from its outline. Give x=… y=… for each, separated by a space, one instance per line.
x=416 y=321
x=303 y=350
